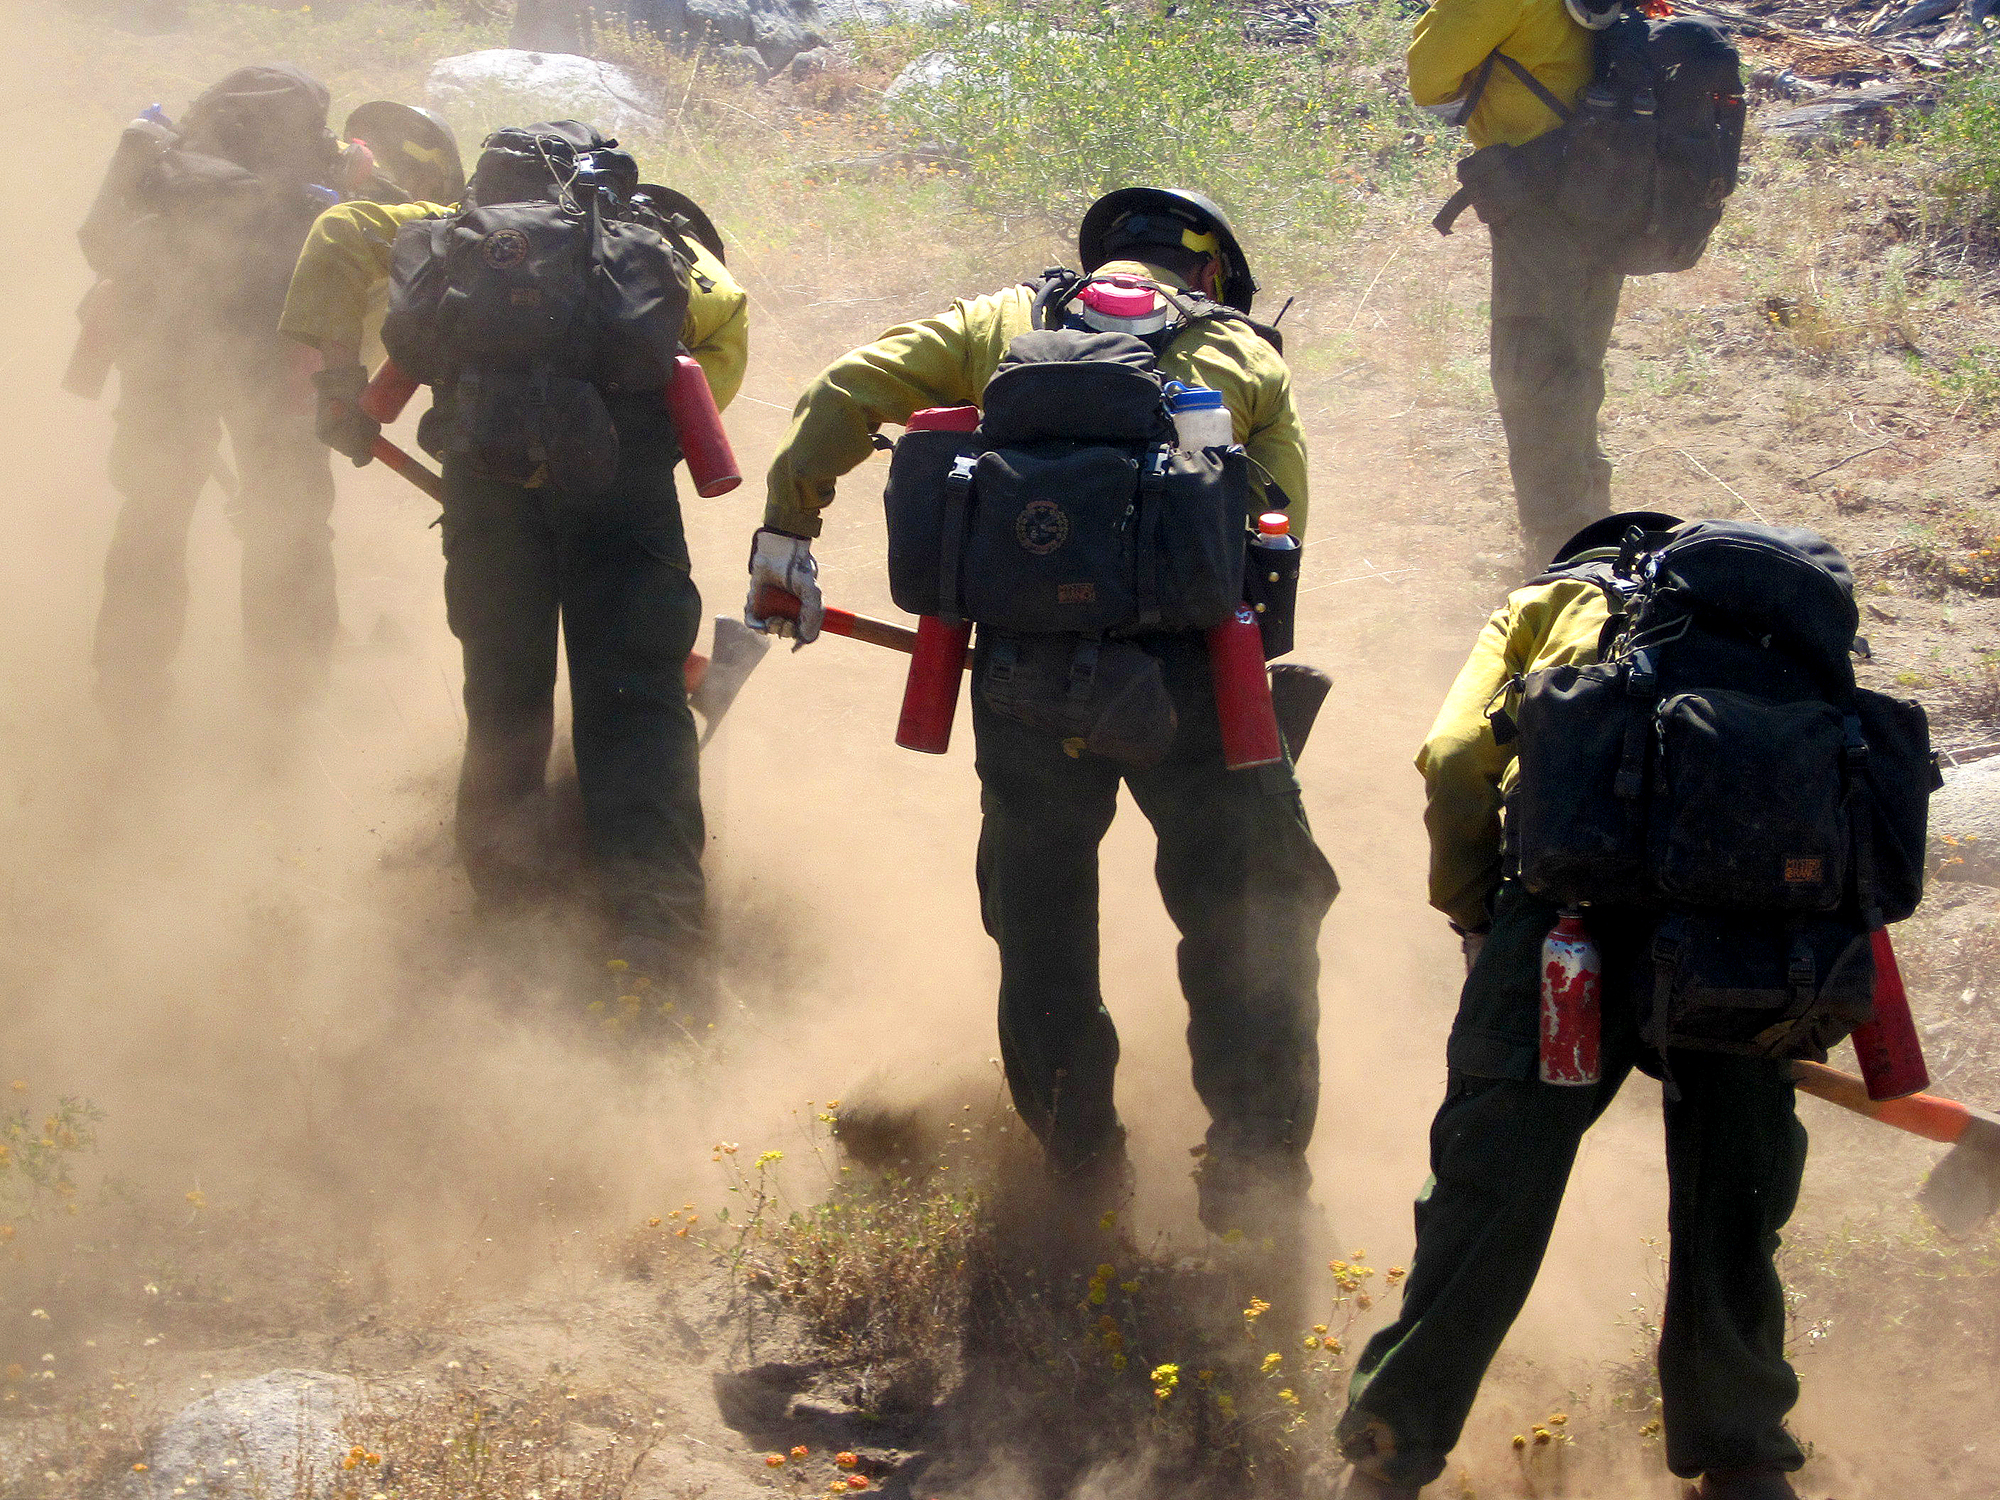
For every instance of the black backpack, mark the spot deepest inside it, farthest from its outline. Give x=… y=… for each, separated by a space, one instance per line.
x=542 y=295
x=1070 y=509
x=204 y=221
x=1642 y=164
x=1718 y=766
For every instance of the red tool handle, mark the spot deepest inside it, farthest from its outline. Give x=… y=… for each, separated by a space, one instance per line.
x=409 y=468
x=1891 y=1053
x=1927 y=1115
x=773 y=601
x=711 y=463
x=387 y=393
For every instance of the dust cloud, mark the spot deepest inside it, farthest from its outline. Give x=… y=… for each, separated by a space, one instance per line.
x=272 y=985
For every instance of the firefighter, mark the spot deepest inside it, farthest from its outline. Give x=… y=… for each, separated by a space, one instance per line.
x=1503 y=1141
x=1237 y=865
x=193 y=235
x=1554 y=292
x=537 y=540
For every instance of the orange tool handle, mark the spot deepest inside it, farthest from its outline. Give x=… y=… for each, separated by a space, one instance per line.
x=409 y=468
x=1927 y=1115
x=775 y=601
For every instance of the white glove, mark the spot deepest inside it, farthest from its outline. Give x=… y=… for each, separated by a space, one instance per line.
x=1471 y=944
x=782 y=561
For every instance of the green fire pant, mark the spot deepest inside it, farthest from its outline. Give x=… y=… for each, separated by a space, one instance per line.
x=1501 y=1150
x=612 y=572
x=1554 y=303
x=1242 y=880
x=173 y=404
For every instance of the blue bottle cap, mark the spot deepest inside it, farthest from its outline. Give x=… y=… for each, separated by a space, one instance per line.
x=1196 y=398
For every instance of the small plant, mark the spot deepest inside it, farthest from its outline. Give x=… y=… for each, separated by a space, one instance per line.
x=38 y=1151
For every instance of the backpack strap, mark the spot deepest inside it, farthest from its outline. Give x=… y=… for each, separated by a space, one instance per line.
x=951 y=541
x=1461 y=200
x=1152 y=498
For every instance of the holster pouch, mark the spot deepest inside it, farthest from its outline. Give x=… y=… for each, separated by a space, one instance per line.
x=1105 y=697
x=1271 y=588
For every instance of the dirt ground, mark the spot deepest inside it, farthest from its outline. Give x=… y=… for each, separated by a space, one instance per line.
x=344 y=1127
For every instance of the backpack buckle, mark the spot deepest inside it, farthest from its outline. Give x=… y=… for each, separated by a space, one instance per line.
x=962 y=469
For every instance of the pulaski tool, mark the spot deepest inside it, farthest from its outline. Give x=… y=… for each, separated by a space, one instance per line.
x=1963 y=1190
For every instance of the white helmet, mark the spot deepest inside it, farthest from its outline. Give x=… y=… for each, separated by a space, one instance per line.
x=1593 y=15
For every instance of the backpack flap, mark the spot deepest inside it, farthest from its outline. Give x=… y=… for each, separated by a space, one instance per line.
x=1721 y=982
x=1749 y=810
x=1065 y=383
x=1049 y=544
x=1781 y=586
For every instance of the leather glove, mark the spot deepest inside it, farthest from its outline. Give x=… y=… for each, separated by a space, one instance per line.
x=783 y=561
x=339 y=420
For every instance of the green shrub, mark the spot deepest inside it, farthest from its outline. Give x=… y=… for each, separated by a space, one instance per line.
x=1044 y=110
x=1961 y=139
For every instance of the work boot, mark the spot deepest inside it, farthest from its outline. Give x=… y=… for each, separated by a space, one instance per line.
x=1362 y=1485
x=1746 y=1484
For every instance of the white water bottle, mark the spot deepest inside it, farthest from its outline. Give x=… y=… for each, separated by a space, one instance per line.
x=1200 y=419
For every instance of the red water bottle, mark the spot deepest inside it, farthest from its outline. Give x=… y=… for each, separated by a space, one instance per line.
x=1891 y=1053
x=930 y=691
x=1572 y=1037
x=385 y=396
x=1243 y=693
x=711 y=463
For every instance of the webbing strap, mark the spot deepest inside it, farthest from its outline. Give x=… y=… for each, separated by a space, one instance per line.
x=951 y=543
x=1152 y=496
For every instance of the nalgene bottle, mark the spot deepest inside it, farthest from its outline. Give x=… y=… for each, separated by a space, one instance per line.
x=1200 y=419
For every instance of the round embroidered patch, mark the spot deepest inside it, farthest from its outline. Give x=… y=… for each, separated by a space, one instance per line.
x=1041 y=527
x=504 y=249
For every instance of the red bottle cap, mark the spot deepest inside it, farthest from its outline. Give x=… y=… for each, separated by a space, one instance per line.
x=1274 y=523
x=1120 y=299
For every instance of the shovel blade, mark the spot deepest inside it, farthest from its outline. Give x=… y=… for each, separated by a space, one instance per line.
x=1963 y=1190
x=731 y=660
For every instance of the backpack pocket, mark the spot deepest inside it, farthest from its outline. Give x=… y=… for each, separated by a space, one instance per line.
x=1575 y=820
x=1755 y=985
x=1109 y=698
x=913 y=503
x=1749 y=807
x=1902 y=772
x=1049 y=542
x=517 y=285
x=533 y=429
x=1195 y=544
x=1606 y=186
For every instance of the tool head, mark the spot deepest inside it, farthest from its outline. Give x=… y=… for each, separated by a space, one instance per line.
x=731 y=660
x=1963 y=1190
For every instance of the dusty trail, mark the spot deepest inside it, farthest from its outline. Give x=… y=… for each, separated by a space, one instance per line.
x=272 y=987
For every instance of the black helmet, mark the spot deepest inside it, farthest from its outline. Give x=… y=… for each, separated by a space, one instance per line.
x=669 y=204
x=413 y=148
x=1608 y=533
x=1166 y=216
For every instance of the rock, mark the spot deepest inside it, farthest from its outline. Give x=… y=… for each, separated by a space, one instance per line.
x=1965 y=824
x=921 y=75
x=514 y=87
x=778 y=30
x=279 y=1434
x=808 y=63
x=1844 y=115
